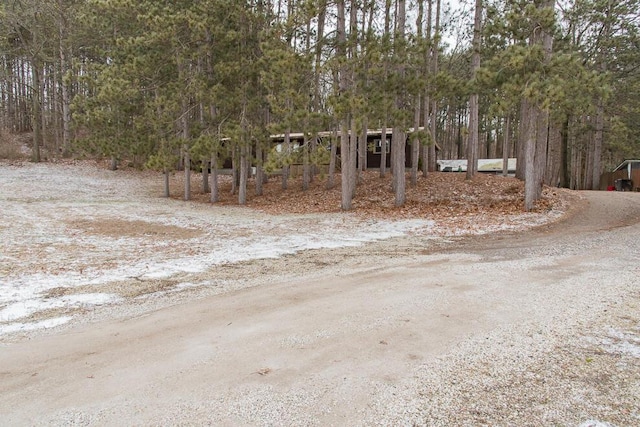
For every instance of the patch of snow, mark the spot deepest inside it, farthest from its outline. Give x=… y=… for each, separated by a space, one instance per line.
x=593 y=423
x=27 y=307
x=622 y=342
x=43 y=324
x=187 y=285
x=626 y=343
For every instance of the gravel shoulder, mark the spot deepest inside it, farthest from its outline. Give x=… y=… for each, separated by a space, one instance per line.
x=537 y=327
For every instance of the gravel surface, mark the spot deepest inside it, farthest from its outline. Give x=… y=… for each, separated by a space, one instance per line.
x=75 y=237
x=414 y=327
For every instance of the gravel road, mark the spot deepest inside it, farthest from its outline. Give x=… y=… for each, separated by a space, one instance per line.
x=530 y=328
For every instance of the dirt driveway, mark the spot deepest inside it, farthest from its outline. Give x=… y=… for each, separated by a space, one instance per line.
x=529 y=328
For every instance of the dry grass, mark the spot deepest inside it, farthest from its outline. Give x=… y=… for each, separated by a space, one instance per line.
x=58 y=292
x=132 y=288
x=136 y=288
x=53 y=313
x=117 y=228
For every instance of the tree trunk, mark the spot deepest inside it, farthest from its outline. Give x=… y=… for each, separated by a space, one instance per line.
x=306 y=165
x=472 y=144
x=434 y=104
x=353 y=157
x=205 y=177
x=235 y=169
x=186 y=135
x=187 y=172
x=362 y=146
x=565 y=157
x=542 y=132
x=345 y=167
x=244 y=173
x=587 y=182
x=426 y=148
x=259 y=169
x=529 y=123
x=322 y=13
x=383 y=150
x=599 y=119
x=165 y=173
x=37 y=112
x=598 y=138
x=505 y=146
x=285 y=166
x=9 y=122
x=398 y=138
x=332 y=161
x=345 y=149
x=553 y=175
x=433 y=154
x=355 y=112
x=521 y=167
x=576 y=168
x=64 y=86
x=415 y=143
x=383 y=136
x=398 y=142
x=474 y=119
x=542 y=143
x=214 y=178
x=459 y=139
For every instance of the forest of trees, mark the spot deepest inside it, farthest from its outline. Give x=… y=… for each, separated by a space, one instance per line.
x=166 y=85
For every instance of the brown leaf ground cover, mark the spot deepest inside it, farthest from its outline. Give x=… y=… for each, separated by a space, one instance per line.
x=438 y=196
x=456 y=206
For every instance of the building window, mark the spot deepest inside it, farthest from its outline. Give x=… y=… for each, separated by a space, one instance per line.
x=377 y=146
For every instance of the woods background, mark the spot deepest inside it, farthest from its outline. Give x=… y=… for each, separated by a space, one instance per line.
x=166 y=84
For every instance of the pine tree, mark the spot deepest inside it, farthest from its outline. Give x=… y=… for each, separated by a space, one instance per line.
x=472 y=147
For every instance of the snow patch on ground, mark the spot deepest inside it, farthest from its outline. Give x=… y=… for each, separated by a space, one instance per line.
x=622 y=342
x=593 y=423
x=24 y=327
x=26 y=307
